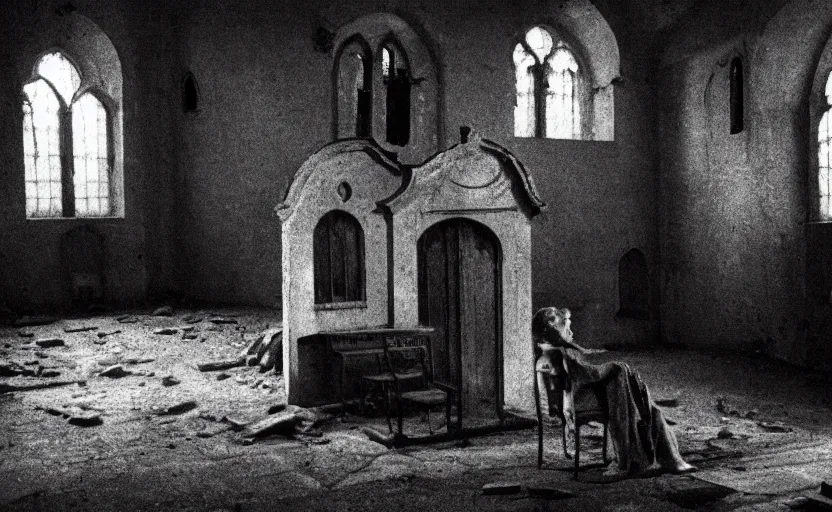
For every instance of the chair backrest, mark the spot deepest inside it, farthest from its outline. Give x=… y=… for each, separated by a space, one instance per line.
x=553 y=383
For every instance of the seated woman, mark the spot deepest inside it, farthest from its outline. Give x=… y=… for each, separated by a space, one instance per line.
x=640 y=435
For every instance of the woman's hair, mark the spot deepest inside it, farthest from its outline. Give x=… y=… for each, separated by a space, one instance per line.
x=546 y=317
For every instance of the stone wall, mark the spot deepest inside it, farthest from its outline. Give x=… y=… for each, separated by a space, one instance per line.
x=137 y=247
x=733 y=221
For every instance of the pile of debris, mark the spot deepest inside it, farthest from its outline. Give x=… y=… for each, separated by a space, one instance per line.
x=266 y=351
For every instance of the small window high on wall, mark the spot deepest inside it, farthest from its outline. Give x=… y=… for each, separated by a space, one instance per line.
x=338 y=253
x=633 y=286
x=737 y=99
x=824 y=160
x=354 y=80
x=66 y=143
x=549 y=87
x=190 y=93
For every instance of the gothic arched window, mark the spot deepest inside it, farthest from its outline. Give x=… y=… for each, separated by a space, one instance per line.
x=824 y=162
x=67 y=150
x=338 y=254
x=549 y=88
x=354 y=89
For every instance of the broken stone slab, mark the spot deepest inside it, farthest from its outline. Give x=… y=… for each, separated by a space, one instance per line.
x=10 y=369
x=280 y=423
x=12 y=388
x=33 y=320
x=80 y=329
x=180 y=408
x=103 y=334
x=49 y=342
x=724 y=433
x=24 y=334
x=236 y=423
x=501 y=488
x=163 y=311
x=223 y=320
x=116 y=371
x=85 y=419
x=165 y=331
x=549 y=491
x=193 y=319
x=222 y=376
x=276 y=408
x=774 y=427
x=127 y=319
x=170 y=380
x=190 y=336
x=49 y=373
x=139 y=360
x=221 y=365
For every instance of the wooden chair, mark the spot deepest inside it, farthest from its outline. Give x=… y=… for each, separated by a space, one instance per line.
x=574 y=407
x=430 y=393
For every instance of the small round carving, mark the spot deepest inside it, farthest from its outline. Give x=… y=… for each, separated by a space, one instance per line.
x=344 y=191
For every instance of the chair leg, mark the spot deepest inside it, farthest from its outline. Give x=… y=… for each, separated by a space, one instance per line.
x=604 y=448
x=539 y=443
x=577 y=447
x=388 y=404
x=430 y=427
x=563 y=438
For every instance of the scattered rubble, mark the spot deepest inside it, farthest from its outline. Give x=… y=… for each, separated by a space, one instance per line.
x=548 y=491
x=170 y=380
x=115 y=371
x=180 y=408
x=80 y=329
x=49 y=342
x=501 y=488
x=163 y=311
x=12 y=388
x=774 y=427
x=221 y=365
x=30 y=321
x=283 y=423
x=222 y=320
x=266 y=351
x=193 y=319
x=724 y=433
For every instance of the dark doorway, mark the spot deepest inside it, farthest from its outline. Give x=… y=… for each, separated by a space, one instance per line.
x=459 y=296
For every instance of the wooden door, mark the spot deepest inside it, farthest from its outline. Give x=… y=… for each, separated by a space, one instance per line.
x=459 y=296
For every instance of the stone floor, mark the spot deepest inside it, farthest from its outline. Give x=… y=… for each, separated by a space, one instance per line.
x=759 y=431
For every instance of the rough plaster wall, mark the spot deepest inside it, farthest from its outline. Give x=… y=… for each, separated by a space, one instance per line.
x=733 y=207
x=138 y=254
x=266 y=104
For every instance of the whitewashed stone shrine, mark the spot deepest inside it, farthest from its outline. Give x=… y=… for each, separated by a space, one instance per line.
x=371 y=243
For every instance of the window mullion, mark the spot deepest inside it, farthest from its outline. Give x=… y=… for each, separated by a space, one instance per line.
x=539 y=99
x=67 y=163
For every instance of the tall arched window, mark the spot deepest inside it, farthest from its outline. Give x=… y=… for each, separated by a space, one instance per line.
x=824 y=162
x=338 y=254
x=549 y=88
x=354 y=89
x=396 y=75
x=67 y=147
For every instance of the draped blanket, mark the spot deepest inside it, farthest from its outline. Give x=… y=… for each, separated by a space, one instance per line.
x=640 y=435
